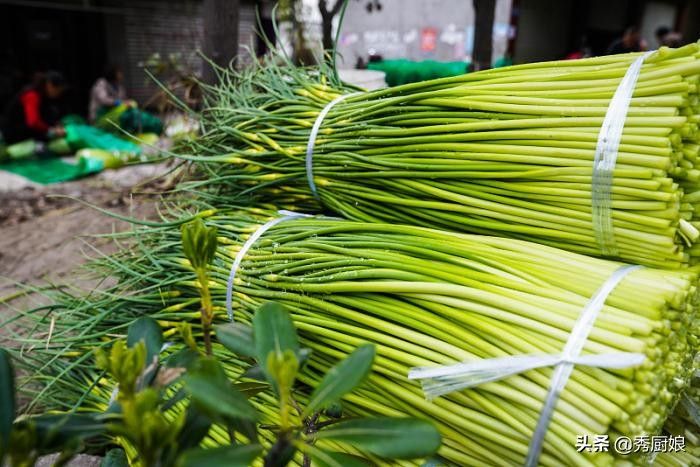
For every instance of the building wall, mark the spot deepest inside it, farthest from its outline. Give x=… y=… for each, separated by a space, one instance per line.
x=689 y=24
x=69 y=39
x=166 y=28
x=657 y=14
x=610 y=15
x=543 y=30
x=440 y=30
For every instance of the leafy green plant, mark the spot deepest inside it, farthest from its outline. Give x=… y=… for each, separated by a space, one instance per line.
x=24 y=440
x=7 y=401
x=199 y=246
x=165 y=404
x=273 y=345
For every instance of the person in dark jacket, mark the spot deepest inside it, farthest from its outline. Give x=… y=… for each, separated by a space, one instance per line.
x=661 y=33
x=35 y=112
x=631 y=41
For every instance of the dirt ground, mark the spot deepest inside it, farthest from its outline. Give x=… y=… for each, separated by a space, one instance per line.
x=44 y=233
x=44 y=230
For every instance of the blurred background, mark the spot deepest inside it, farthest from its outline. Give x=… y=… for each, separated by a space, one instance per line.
x=81 y=38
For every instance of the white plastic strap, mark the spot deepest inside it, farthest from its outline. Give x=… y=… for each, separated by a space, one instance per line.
x=437 y=381
x=312 y=140
x=606 y=157
x=286 y=215
x=572 y=349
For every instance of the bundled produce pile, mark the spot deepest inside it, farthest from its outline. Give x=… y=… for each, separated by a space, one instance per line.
x=429 y=298
x=507 y=152
x=684 y=423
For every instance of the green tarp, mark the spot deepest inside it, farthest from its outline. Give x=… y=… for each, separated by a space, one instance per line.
x=48 y=170
x=402 y=71
x=406 y=71
x=85 y=136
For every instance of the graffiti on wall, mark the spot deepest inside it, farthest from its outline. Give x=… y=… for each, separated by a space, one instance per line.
x=387 y=42
x=428 y=39
x=453 y=42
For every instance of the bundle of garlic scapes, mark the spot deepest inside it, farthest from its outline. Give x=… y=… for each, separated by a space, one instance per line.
x=506 y=152
x=426 y=298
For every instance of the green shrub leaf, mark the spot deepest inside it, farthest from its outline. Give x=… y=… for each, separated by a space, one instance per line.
x=115 y=458
x=236 y=337
x=199 y=243
x=183 y=358
x=342 y=378
x=227 y=456
x=274 y=332
x=394 y=438
x=212 y=391
x=194 y=429
x=56 y=431
x=337 y=459
x=147 y=330
x=7 y=401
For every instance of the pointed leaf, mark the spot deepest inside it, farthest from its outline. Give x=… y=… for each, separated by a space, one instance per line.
x=7 y=401
x=255 y=372
x=115 y=458
x=247 y=428
x=394 y=438
x=183 y=358
x=56 y=430
x=198 y=243
x=252 y=388
x=147 y=330
x=179 y=395
x=194 y=429
x=228 y=456
x=281 y=453
x=342 y=378
x=323 y=458
x=274 y=332
x=236 y=337
x=212 y=391
x=334 y=410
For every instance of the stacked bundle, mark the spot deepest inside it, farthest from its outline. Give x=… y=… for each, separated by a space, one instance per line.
x=515 y=152
x=508 y=152
x=429 y=298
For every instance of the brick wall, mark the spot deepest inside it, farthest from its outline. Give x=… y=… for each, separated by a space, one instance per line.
x=163 y=27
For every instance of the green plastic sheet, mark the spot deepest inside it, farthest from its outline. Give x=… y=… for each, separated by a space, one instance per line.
x=50 y=170
x=406 y=71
